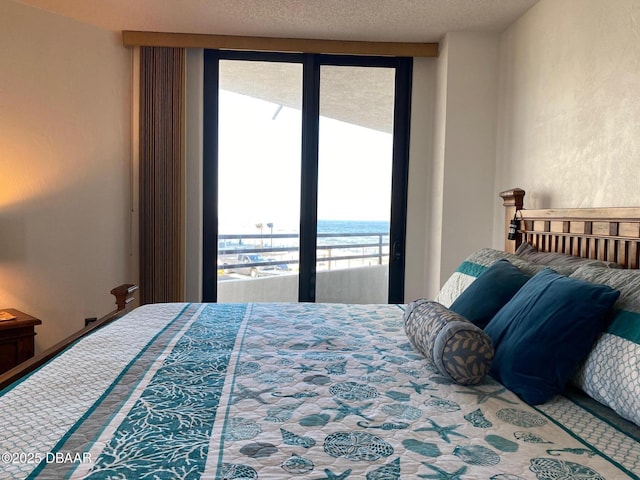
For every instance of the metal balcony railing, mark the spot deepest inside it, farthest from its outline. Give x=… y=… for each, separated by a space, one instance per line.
x=270 y=254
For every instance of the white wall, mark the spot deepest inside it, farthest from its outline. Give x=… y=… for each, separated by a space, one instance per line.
x=420 y=159
x=350 y=285
x=569 y=115
x=65 y=139
x=193 y=174
x=462 y=192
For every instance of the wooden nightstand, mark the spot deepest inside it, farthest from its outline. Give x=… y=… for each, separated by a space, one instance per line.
x=16 y=339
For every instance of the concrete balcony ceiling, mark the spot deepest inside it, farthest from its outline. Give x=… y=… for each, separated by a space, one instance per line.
x=361 y=96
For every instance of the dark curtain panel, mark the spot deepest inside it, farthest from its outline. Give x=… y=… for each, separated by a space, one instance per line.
x=161 y=174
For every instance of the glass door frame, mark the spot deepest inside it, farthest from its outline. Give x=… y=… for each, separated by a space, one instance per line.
x=309 y=163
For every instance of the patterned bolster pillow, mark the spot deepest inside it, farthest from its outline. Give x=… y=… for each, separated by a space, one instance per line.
x=457 y=348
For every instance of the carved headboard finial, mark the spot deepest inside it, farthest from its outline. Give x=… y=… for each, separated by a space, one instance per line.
x=513 y=198
x=124 y=295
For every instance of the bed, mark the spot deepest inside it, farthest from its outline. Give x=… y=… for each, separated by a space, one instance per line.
x=333 y=391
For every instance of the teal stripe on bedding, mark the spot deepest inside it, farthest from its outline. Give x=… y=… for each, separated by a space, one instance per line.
x=626 y=325
x=57 y=448
x=174 y=416
x=470 y=268
x=587 y=443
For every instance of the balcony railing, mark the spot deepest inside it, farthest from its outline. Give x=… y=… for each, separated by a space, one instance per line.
x=277 y=254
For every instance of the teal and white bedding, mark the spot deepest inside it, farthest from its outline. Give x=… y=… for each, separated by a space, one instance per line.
x=281 y=391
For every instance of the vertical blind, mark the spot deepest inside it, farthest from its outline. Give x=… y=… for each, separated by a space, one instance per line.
x=161 y=174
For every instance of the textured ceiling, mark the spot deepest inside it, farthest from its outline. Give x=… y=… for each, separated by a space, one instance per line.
x=358 y=96
x=371 y=20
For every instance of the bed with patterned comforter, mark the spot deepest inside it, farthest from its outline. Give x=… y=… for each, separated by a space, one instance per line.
x=280 y=391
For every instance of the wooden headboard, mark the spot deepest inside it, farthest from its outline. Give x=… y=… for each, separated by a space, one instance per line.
x=610 y=234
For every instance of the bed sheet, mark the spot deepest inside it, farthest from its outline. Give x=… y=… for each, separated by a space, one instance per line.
x=279 y=391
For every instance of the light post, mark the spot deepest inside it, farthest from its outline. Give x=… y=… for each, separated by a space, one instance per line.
x=270 y=225
x=259 y=227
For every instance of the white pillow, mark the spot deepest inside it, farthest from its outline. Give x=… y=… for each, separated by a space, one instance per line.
x=472 y=267
x=611 y=372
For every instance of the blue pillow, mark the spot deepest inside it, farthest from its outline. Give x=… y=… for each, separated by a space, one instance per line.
x=545 y=331
x=489 y=292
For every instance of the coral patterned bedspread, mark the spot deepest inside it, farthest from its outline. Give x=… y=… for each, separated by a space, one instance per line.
x=283 y=391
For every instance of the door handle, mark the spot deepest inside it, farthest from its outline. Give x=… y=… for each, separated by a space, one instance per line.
x=396 y=250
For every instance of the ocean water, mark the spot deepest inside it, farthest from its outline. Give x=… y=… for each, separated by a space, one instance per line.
x=369 y=228
x=353 y=226
x=324 y=226
x=364 y=242
x=350 y=227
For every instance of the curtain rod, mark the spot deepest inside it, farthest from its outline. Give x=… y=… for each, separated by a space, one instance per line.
x=272 y=44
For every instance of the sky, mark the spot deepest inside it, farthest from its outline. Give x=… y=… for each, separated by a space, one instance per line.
x=259 y=167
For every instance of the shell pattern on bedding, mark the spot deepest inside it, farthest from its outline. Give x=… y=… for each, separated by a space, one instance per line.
x=281 y=391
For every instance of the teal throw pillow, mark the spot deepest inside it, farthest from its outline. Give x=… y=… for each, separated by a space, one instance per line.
x=545 y=331
x=490 y=292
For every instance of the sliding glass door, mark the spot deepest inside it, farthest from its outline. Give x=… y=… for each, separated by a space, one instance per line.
x=259 y=138
x=304 y=170
x=355 y=160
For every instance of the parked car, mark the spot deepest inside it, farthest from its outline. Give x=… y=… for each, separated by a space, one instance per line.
x=253 y=268
x=252 y=258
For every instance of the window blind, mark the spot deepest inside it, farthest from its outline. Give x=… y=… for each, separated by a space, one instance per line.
x=161 y=174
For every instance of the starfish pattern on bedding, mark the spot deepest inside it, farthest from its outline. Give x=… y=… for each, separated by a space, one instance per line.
x=379 y=350
x=245 y=393
x=360 y=356
x=335 y=476
x=442 y=474
x=444 y=432
x=483 y=396
x=345 y=410
x=374 y=368
x=320 y=340
x=419 y=388
x=304 y=368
